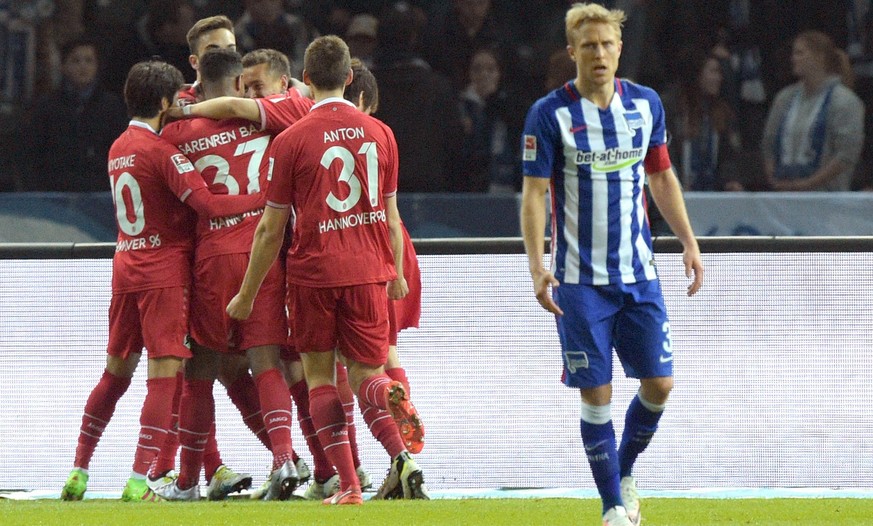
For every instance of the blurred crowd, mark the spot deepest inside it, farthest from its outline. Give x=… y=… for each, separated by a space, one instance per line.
x=759 y=94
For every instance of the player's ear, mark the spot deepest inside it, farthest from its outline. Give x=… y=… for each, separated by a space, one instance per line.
x=192 y=59
x=306 y=79
x=285 y=82
x=350 y=77
x=240 y=86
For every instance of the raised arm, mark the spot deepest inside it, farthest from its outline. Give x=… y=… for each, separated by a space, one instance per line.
x=210 y=205
x=219 y=108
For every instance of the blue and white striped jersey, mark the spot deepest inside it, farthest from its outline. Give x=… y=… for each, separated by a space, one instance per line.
x=596 y=160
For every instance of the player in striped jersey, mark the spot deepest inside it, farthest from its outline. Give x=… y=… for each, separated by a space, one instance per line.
x=591 y=143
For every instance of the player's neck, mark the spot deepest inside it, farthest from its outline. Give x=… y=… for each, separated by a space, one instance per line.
x=154 y=122
x=319 y=95
x=599 y=94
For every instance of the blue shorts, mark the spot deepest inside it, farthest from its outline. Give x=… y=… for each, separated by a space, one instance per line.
x=630 y=318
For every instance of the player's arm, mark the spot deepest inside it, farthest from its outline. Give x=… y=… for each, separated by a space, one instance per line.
x=187 y=183
x=210 y=205
x=667 y=193
x=533 y=226
x=398 y=288
x=265 y=247
x=220 y=108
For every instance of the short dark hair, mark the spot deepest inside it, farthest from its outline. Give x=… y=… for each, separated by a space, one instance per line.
x=216 y=65
x=205 y=25
x=76 y=43
x=277 y=62
x=327 y=62
x=147 y=84
x=363 y=81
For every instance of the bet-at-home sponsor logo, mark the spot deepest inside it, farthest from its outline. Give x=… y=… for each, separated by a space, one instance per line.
x=611 y=160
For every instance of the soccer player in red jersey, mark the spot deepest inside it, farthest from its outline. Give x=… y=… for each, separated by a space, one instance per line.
x=152 y=182
x=337 y=169
x=267 y=72
x=214 y=32
x=231 y=156
x=363 y=91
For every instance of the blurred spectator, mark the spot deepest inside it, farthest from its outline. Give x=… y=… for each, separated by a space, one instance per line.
x=361 y=37
x=158 y=32
x=451 y=41
x=266 y=24
x=71 y=130
x=489 y=155
x=561 y=69
x=417 y=103
x=704 y=142
x=232 y=9
x=111 y=23
x=741 y=61
x=815 y=128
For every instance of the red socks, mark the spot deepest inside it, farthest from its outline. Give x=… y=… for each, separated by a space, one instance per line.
x=347 y=397
x=244 y=395
x=154 y=420
x=166 y=459
x=98 y=412
x=323 y=469
x=195 y=423
x=276 y=408
x=329 y=419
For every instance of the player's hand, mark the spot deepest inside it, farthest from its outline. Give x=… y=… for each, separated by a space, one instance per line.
x=543 y=281
x=693 y=268
x=239 y=308
x=398 y=288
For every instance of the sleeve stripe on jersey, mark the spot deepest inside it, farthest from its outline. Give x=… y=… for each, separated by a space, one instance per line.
x=185 y=195
x=277 y=205
x=657 y=159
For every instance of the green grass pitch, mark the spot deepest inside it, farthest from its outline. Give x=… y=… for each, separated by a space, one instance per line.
x=509 y=512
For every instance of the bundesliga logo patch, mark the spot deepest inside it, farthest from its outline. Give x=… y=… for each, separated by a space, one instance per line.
x=530 y=148
x=183 y=165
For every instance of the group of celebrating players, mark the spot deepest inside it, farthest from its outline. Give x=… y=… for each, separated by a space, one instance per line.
x=213 y=183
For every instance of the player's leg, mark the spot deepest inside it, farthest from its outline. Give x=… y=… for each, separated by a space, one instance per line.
x=243 y=393
x=99 y=409
x=163 y=469
x=123 y=352
x=196 y=418
x=347 y=396
x=585 y=331
x=314 y=327
x=325 y=481
x=164 y=322
x=644 y=347
x=393 y=369
x=363 y=341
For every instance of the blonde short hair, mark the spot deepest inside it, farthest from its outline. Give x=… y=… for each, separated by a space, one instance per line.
x=581 y=13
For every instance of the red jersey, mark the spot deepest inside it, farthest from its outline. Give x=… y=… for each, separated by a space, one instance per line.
x=335 y=167
x=150 y=179
x=189 y=94
x=231 y=157
x=278 y=112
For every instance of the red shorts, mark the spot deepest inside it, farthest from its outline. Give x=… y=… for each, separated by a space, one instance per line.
x=156 y=319
x=216 y=282
x=352 y=319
